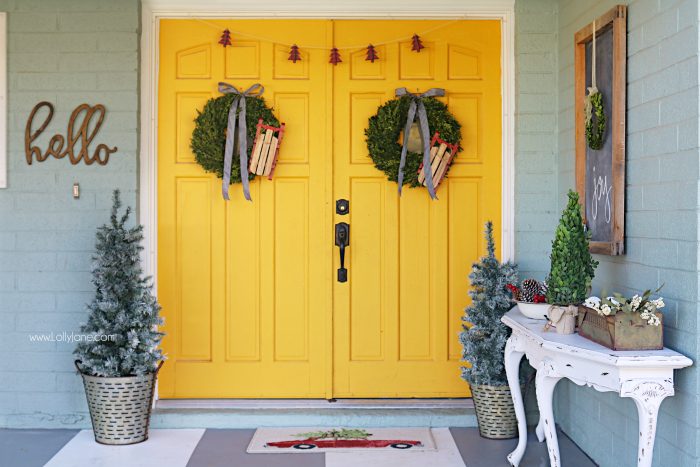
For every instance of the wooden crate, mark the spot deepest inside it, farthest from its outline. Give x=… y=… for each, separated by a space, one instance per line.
x=623 y=331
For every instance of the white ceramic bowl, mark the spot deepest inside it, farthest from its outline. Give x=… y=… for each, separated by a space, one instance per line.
x=533 y=310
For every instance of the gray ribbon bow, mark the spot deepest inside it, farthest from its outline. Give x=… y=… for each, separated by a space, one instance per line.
x=417 y=106
x=238 y=100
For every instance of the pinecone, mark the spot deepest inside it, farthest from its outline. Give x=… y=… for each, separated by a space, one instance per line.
x=530 y=288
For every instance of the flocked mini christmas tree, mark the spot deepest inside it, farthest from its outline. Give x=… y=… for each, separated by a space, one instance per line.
x=572 y=266
x=484 y=335
x=121 y=331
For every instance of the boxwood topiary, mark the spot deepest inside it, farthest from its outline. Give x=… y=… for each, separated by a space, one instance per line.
x=572 y=266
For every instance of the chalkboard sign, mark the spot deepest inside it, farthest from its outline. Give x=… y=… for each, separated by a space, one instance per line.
x=600 y=173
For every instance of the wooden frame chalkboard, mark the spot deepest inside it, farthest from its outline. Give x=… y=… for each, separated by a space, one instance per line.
x=600 y=174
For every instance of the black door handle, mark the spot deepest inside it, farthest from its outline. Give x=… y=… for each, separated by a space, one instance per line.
x=342 y=240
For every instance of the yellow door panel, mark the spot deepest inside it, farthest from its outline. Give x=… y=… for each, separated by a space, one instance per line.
x=249 y=290
x=193 y=270
x=397 y=318
x=239 y=281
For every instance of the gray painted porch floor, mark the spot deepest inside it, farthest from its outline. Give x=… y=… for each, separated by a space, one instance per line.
x=226 y=447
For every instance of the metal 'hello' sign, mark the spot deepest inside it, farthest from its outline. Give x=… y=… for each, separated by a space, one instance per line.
x=76 y=143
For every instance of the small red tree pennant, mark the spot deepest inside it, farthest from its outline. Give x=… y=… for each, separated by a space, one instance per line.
x=417 y=44
x=294 y=54
x=225 y=38
x=371 y=54
x=335 y=56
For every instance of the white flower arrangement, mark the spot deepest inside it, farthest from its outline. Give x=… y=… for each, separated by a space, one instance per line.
x=642 y=304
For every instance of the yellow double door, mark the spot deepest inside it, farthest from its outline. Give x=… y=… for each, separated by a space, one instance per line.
x=249 y=291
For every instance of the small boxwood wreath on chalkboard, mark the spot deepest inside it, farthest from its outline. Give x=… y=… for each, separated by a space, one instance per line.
x=209 y=135
x=385 y=128
x=595 y=127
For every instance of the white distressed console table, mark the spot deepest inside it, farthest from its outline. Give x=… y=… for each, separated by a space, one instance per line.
x=644 y=376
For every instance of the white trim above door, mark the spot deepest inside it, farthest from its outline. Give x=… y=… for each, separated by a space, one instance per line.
x=385 y=9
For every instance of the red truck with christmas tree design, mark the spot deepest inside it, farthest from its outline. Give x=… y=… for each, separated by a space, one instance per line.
x=343 y=438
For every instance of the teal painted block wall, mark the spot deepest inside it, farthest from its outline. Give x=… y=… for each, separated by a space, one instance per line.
x=535 y=143
x=661 y=220
x=536 y=178
x=66 y=52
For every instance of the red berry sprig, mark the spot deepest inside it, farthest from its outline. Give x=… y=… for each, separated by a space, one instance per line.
x=514 y=290
x=539 y=299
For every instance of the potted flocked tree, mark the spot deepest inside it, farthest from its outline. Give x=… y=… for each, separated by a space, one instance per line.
x=119 y=357
x=572 y=268
x=484 y=339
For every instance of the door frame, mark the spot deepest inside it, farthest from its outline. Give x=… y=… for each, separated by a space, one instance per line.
x=152 y=11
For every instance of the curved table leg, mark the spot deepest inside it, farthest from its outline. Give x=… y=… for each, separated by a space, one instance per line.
x=647 y=396
x=539 y=431
x=545 y=390
x=512 y=364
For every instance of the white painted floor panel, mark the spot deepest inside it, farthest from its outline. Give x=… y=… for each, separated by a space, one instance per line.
x=172 y=448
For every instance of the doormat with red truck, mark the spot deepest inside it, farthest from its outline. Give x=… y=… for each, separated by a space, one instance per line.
x=301 y=440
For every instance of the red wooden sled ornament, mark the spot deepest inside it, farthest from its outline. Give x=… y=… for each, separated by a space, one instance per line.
x=441 y=155
x=266 y=149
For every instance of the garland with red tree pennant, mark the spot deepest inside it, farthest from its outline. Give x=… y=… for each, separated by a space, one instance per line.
x=225 y=38
x=335 y=56
x=371 y=54
x=417 y=44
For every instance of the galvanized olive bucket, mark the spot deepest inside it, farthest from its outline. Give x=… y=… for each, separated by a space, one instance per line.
x=120 y=407
x=494 y=411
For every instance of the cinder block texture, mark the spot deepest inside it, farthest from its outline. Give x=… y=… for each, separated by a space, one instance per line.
x=661 y=220
x=67 y=52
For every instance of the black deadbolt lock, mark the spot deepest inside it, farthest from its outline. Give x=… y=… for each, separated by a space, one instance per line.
x=342 y=207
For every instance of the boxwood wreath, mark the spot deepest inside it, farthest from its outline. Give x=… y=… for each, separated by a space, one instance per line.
x=209 y=135
x=595 y=127
x=385 y=128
